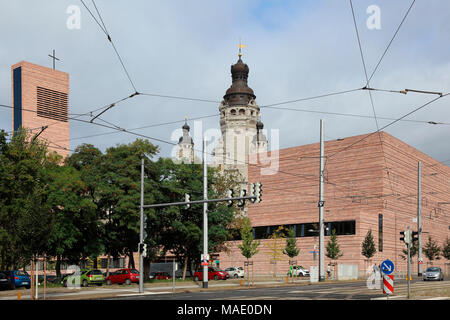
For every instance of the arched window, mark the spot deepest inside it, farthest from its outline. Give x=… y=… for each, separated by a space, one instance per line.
x=242 y=112
x=233 y=112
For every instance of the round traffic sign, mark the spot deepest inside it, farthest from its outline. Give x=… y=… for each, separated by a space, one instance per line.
x=387 y=267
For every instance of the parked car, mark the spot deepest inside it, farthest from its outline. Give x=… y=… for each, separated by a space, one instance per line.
x=433 y=273
x=162 y=276
x=298 y=271
x=127 y=276
x=87 y=277
x=50 y=278
x=235 y=272
x=213 y=273
x=5 y=280
x=19 y=278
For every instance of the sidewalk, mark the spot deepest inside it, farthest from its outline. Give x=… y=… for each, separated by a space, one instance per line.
x=116 y=290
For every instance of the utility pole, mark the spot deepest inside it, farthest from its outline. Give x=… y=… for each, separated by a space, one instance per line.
x=419 y=218
x=205 y=215
x=408 y=245
x=321 y=204
x=141 y=232
x=37 y=278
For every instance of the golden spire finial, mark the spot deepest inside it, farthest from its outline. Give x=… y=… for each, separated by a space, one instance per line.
x=240 y=46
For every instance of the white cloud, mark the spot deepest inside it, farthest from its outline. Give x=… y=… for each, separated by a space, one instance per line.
x=185 y=48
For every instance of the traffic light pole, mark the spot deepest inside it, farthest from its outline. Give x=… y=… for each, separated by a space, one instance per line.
x=141 y=232
x=419 y=219
x=205 y=214
x=408 y=245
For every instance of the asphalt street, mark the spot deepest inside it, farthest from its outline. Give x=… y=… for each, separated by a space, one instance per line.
x=328 y=291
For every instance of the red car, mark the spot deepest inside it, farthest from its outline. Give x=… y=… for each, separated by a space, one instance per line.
x=121 y=276
x=213 y=273
x=162 y=276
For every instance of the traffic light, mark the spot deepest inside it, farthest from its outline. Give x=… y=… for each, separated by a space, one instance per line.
x=406 y=236
x=414 y=236
x=230 y=194
x=258 y=192
x=143 y=249
x=144 y=253
x=251 y=190
x=241 y=202
x=187 y=198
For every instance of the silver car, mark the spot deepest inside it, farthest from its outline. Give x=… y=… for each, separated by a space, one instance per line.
x=235 y=272
x=433 y=273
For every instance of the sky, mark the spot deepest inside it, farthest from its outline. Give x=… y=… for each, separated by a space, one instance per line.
x=294 y=49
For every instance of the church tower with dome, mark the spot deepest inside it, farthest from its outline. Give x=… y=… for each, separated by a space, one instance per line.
x=185 y=147
x=240 y=126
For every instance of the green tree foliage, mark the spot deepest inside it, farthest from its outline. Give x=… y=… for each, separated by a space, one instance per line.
x=432 y=250
x=89 y=205
x=446 y=248
x=332 y=250
x=180 y=229
x=249 y=246
x=368 y=246
x=291 y=249
x=414 y=250
x=26 y=218
x=120 y=178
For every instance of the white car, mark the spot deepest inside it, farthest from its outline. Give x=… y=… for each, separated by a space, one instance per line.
x=235 y=272
x=299 y=271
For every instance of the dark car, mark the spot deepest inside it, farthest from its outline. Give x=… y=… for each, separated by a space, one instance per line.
x=433 y=273
x=213 y=273
x=49 y=278
x=121 y=276
x=19 y=278
x=5 y=280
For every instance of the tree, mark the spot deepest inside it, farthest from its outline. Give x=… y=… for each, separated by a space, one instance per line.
x=249 y=246
x=275 y=247
x=291 y=249
x=432 y=250
x=26 y=219
x=413 y=250
x=77 y=230
x=446 y=248
x=368 y=246
x=333 y=250
x=180 y=229
x=120 y=194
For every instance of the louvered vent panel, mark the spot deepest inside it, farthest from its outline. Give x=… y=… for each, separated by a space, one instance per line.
x=52 y=104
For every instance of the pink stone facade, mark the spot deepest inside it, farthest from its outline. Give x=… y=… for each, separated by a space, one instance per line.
x=34 y=76
x=361 y=182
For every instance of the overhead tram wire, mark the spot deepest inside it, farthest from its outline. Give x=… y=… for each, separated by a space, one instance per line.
x=389 y=124
x=355 y=115
x=108 y=36
x=370 y=93
x=390 y=42
x=212 y=101
x=171 y=143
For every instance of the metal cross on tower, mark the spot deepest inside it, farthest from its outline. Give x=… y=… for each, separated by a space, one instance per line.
x=54 y=58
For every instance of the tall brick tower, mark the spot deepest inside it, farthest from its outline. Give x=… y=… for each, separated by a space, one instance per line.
x=40 y=98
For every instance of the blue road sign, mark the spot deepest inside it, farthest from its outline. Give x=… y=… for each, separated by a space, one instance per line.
x=387 y=266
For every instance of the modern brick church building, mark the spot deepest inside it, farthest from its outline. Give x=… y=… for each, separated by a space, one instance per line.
x=40 y=98
x=370 y=183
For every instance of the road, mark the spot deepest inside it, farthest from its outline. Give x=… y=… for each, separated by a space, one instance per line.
x=226 y=290
x=328 y=291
